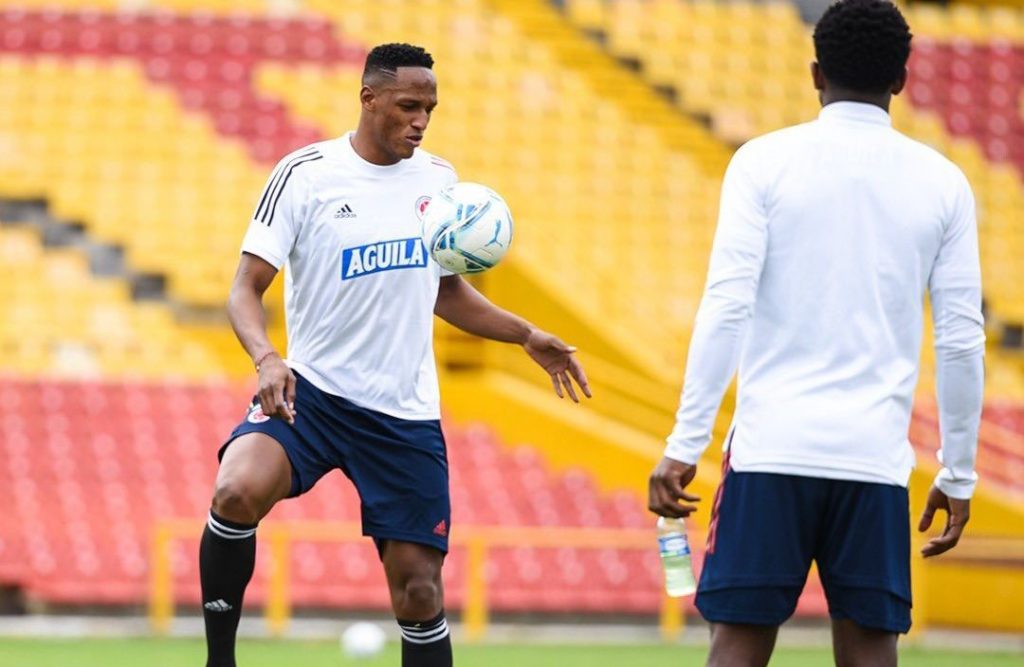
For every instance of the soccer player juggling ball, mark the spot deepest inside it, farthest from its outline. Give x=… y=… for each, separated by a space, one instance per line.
x=358 y=390
x=829 y=234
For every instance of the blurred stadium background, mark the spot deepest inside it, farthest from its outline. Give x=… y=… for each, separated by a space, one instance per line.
x=136 y=134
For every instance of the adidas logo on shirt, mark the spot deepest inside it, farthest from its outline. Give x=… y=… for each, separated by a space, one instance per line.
x=217 y=605
x=345 y=212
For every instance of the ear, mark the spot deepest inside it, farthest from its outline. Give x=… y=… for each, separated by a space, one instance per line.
x=367 y=98
x=818 y=76
x=901 y=83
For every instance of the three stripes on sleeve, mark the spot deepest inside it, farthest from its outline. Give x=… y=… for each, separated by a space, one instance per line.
x=279 y=179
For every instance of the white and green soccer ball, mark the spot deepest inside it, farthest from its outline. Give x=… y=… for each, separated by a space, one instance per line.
x=362 y=640
x=467 y=228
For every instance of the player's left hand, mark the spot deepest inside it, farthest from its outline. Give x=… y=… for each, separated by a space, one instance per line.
x=958 y=512
x=558 y=359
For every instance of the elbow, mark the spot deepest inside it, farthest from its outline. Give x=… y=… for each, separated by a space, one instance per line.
x=441 y=308
x=959 y=334
x=732 y=298
x=447 y=293
x=231 y=305
x=963 y=346
x=234 y=296
x=239 y=296
x=723 y=308
x=443 y=297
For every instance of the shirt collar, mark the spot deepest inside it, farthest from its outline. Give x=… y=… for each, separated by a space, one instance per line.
x=366 y=165
x=858 y=112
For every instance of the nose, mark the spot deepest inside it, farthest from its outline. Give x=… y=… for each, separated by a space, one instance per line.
x=420 y=122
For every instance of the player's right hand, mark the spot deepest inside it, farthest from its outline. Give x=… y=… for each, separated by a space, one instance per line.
x=277 y=389
x=666 y=488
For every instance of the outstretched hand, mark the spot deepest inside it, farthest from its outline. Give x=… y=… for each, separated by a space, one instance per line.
x=667 y=486
x=558 y=359
x=957 y=514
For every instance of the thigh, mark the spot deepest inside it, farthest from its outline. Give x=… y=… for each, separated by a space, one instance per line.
x=855 y=646
x=306 y=444
x=407 y=561
x=864 y=556
x=760 y=546
x=741 y=645
x=256 y=467
x=400 y=469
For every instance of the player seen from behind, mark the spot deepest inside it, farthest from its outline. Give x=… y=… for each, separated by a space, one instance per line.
x=829 y=235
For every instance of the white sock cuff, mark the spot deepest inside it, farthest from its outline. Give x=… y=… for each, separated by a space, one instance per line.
x=227 y=532
x=425 y=634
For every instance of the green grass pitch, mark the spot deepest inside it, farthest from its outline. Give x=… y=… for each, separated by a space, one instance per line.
x=265 y=653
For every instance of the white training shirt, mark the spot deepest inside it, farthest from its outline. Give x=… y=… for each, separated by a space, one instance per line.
x=829 y=233
x=359 y=286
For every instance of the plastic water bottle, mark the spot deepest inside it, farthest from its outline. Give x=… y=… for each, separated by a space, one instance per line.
x=675 y=557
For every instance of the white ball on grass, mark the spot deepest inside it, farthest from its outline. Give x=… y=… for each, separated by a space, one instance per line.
x=362 y=640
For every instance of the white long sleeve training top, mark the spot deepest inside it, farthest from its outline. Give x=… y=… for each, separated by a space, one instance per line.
x=828 y=235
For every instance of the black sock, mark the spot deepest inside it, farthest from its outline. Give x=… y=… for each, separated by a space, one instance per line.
x=227 y=556
x=426 y=643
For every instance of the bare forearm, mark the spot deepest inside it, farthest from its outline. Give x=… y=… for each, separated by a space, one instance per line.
x=462 y=306
x=249 y=321
x=459 y=304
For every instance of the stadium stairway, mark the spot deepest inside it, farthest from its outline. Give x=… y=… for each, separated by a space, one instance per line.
x=60 y=320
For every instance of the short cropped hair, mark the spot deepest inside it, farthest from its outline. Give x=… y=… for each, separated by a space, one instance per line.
x=388 y=58
x=862 y=45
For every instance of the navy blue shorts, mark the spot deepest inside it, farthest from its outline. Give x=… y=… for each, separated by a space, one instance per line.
x=399 y=466
x=767 y=528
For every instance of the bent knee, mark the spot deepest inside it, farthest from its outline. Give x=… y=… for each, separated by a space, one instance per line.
x=238 y=502
x=421 y=597
x=423 y=591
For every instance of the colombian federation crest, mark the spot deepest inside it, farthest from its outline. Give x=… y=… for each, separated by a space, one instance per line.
x=421 y=206
x=256 y=415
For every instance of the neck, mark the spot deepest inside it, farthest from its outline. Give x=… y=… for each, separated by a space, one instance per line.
x=880 y=100
x=369 y=150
